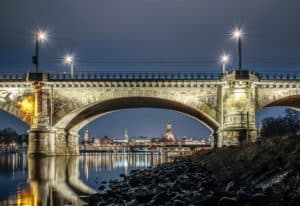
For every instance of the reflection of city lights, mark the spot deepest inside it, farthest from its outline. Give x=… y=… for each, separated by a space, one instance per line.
x=27 y=105
x=127 y=161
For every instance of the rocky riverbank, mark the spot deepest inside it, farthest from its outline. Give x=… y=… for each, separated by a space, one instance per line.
x=183 y=182
x=196 y=180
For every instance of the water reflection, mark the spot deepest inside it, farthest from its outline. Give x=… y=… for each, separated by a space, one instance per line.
x=64 y=180
x=12 y=162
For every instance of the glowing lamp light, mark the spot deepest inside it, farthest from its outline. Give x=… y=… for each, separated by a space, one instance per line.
x=224 y=58
x=68 y=59
x=42 y=36
x=237 y=33
x=27 y=105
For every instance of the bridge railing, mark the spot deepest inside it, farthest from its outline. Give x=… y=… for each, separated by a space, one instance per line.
x=12 y=76
x=278 y=76
x=127 y=76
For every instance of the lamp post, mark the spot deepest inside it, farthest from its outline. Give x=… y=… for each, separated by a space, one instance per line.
x=69 y=60
x=238 y=34
x=40 y=37
x=224 y=60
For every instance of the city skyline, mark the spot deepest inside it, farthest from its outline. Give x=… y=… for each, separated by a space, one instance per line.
x=98 y=128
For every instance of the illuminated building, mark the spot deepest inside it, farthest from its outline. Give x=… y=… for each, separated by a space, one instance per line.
x=126 y=135
x=86 y=137
x=169 y=135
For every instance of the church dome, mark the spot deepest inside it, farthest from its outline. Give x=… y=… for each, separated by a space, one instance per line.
x=169 y=135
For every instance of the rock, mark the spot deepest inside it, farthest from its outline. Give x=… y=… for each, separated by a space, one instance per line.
x=144 y=196
x=101 y=203
x=160 y=198
x=94 y=199
x=229 y=186
x=275 y=204
x=258 y=199
x=183 y=182
x=226 y=201
x=102 y=187
x=243 y=196
x=178 y=203
x=133 y=171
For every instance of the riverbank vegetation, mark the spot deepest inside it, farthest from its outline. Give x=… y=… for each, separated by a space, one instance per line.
x=272 y=164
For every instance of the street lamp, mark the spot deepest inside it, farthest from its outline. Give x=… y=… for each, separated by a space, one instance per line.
x=40 y=37
x=238 y=34
x=224 y=60
x=69 y=60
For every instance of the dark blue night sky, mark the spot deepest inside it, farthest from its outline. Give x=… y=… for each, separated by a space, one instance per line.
x=144 y=35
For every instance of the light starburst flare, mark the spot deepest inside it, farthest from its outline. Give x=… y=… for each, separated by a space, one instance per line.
x=41 y=36
x=68 y=59
x=224 y=58
x=237 y=33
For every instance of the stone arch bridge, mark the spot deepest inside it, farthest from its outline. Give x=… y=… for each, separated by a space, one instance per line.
x=56 y=107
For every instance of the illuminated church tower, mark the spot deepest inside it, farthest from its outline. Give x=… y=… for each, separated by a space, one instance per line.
x=86 y=137
x=169 y=135
x=126 y=136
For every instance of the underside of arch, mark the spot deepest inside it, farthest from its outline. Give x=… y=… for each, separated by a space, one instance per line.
x=13 y=111
x=289 y=101
x=105 y=107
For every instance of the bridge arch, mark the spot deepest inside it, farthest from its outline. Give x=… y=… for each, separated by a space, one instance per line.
x=74 y=122
x=19 y=102
x=12 y=109
x=292 y=101
x=279 y=96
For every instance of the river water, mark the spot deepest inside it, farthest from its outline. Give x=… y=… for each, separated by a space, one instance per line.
x=65 y=180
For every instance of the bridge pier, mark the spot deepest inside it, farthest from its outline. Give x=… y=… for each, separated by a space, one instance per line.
x=44 y=139
x=52 y=142
x=72 y=140
x=238 y=108
x=41 y=135
x=41 y=142
x=66 y=143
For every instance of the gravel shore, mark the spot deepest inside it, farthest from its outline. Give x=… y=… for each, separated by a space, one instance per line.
x=182 y=182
